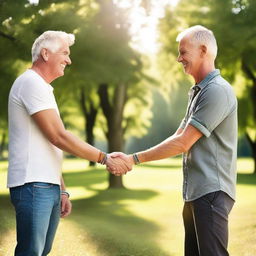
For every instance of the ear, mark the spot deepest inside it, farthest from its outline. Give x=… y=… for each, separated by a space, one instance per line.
x=203 y=49
x=44 y=54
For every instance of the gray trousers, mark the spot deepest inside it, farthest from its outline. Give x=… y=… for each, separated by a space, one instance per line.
x=206 y=225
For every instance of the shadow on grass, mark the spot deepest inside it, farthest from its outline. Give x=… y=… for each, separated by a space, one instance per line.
x=246 y=178
x=108 y=220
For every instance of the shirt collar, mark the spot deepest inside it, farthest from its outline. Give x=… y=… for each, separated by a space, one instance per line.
x=209 y=77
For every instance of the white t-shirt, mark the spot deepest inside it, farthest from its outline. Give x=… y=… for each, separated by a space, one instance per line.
x=32 y=158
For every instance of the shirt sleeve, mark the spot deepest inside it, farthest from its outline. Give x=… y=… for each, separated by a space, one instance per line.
x=211 y=109
x=182 y=124
x=36 y=96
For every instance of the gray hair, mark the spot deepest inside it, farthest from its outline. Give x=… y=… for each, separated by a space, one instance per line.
x=201 y=36
x=50 y=40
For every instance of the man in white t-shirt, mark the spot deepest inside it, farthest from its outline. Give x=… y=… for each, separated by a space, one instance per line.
x=36 y=139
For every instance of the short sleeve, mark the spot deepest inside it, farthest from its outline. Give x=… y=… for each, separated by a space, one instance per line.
x=36 y=96
x=182 y=124
x=211 y=109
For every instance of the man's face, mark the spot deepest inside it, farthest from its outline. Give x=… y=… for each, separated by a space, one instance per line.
x=189 y=57
x=58 y=60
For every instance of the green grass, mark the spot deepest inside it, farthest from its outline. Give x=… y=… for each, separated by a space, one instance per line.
x=142 y=220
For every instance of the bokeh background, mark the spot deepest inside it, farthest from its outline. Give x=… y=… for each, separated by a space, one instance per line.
x=126 y=92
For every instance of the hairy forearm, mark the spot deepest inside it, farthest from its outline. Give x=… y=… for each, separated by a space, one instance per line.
x=68 y=142
x=172 y=146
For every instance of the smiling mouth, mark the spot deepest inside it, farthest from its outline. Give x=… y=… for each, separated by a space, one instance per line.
x=184 y=65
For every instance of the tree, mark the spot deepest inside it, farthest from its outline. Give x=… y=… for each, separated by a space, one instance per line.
x=11 y=14
x=233 y=23
x=119 y=68
x=102 y=56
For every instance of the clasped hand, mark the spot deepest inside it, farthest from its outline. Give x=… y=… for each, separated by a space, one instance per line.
x=119 y=163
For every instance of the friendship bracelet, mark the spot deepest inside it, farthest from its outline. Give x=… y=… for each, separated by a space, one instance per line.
x=136 y=159
x=102 y=158
x=64 y=192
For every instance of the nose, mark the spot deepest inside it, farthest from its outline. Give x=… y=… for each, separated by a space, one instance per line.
x=179 y=58
x=68 y=60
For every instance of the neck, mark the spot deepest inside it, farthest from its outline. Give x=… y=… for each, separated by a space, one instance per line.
x=204 y=70
x=42 y=70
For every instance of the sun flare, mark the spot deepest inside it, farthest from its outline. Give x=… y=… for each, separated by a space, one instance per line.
x=144 y=24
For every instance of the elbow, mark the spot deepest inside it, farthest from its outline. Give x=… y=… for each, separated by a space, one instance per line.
x=184 y=146
x=58 y=139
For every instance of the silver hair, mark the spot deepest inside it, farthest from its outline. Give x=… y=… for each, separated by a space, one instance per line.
x=200 y=35
x=50 y=40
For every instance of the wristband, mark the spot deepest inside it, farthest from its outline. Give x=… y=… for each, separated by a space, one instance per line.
x=102 y=158
x=136 y=159
x=63 y=192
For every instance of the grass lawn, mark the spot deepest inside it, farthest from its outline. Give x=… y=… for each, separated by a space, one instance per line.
x=142 y=220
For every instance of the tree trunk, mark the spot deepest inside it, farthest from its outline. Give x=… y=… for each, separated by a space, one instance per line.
x=2 y=145
x=114 y=115
x=89 y=119
x=246 y=69
x=253 y=147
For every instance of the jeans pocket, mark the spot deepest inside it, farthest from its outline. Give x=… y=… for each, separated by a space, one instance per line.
x=15 y=194
x=211 y=197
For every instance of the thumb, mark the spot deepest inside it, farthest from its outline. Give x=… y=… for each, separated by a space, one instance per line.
x=116 y=154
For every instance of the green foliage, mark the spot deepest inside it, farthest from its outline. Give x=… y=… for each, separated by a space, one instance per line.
x=101 y=54
x=233 y=23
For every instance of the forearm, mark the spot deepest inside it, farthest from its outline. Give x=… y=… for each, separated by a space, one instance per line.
x=172 y=146
x=179 y=143
x=62 y=184
x=52 y=127
x=73 y=145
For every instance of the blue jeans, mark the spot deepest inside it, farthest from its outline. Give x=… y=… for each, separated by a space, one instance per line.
x=37 y=207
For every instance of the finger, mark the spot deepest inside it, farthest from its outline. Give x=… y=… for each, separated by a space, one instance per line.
x=67 y=210
x=64 y=214
x=63 y=205
x=116 y=154
x=117 y=164
x=121 y=164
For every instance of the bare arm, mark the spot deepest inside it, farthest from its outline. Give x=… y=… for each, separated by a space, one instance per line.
x=178 y=143
x=62 y=184
x=181 y=141
x=52 y=127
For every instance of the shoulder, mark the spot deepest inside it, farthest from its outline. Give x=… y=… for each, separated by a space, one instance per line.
x=32 y=83
x=219 y=91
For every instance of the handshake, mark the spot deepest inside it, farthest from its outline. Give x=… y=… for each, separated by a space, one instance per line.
x=119 y=163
